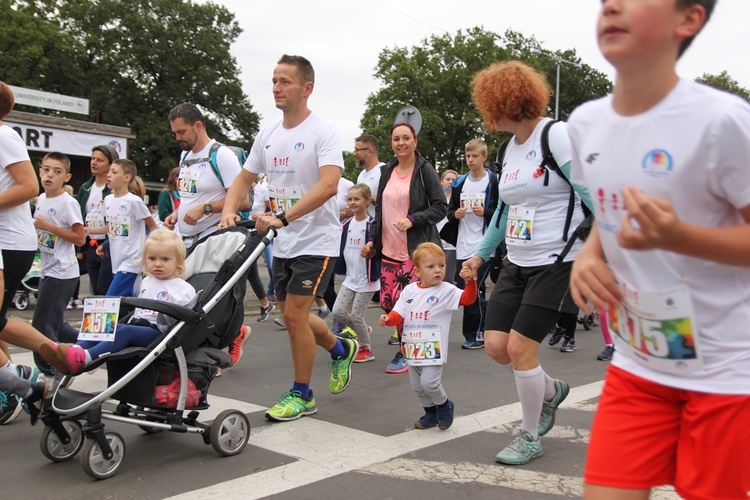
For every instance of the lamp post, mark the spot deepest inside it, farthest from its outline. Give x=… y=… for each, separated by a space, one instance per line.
x=558 y=60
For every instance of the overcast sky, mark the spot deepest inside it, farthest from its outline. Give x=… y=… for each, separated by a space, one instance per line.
x=342 y=39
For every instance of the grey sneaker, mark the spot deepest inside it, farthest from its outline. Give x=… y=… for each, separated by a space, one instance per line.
x=568 y=345
x=549 y=408
x=606 y=354
x=280 y=322
x=522 y=450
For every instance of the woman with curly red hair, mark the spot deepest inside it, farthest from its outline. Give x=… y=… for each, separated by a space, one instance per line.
x=532 y=290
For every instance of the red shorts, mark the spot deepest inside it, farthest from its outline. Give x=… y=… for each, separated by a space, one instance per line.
x=646 y=434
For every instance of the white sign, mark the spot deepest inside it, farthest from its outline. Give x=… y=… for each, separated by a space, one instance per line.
x=68 y=142
x=49 y=100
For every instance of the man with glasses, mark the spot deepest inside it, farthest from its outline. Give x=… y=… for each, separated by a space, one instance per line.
x=366 y=154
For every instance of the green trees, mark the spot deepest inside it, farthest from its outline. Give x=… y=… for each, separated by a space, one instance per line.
x=723 y=81
x=134 y=60
x=435 y=77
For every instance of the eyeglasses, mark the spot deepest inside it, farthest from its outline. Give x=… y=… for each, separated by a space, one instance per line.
x=361 y=149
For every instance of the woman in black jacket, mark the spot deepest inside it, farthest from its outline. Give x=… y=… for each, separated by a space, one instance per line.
x=410 y=204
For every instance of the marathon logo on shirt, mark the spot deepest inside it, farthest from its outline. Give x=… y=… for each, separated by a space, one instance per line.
x=163 y=295
x=51 y=212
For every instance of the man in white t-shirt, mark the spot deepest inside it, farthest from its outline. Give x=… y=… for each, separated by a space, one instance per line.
x=202 y=191
x=366 y=154
x=303 y=160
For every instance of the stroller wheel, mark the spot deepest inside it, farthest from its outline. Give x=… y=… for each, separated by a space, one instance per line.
x=21 y=302
x=588 y=322
x=230 y=432
x=52 y=446
x=93 y=461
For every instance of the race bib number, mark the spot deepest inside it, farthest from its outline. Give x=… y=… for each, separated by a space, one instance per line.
x=283 y=198
x=421 y=346
x=657 y=329
x=471 y=200
x=118 y=226
x=95 y=219
x=518 y=230
x=187 y=182
x=46 y=240
x=99 y=321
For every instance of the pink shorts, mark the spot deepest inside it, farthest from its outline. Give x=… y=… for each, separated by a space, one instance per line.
x=646 y=434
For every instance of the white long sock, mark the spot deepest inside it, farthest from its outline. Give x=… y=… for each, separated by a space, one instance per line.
x=549 y=387
x=530 y=386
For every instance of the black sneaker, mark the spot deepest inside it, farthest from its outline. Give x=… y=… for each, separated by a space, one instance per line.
x=556 y=337
x=568 y=345
x=34 y=404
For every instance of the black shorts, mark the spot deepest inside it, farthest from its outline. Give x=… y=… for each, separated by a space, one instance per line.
x=528 y=298
x=304 y=275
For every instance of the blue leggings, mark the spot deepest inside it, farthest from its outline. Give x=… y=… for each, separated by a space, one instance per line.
x=123 y=285
x=125 y=336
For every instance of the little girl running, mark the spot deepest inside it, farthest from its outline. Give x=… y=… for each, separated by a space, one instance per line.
x=362 y=274
x=425 y=308
x=164 y=262
x=127 y=217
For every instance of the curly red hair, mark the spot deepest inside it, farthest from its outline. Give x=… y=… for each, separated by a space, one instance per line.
x=510 y=90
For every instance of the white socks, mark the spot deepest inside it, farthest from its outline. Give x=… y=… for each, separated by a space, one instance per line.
x=10 y=367
x=531 y=386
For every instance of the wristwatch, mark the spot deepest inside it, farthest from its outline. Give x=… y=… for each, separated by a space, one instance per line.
x=282 y=217
x=207 y=208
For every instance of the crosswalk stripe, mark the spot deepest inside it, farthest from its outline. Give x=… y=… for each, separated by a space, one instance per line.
x=319 y=457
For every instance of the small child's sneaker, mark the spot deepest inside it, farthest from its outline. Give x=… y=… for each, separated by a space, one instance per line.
x=74 y=356
x=52 y=354
x=445 y=415
x=364 y=355
x=429 y=419
x=77 y=304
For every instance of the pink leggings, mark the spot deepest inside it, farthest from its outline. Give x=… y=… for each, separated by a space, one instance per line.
x=394 y=276
x=605 y=328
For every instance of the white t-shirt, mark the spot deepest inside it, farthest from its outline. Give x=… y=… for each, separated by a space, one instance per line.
x=692 y=149
x=372 y=179
x=260 y=199
x=342 y=196
x=175 y=291
x=126 y=230
x=16 y=225
x=470 y=227
x=95 y=210
x=58 y=256
x=356 y=265
x=537 y=212
x=198 y=185
x=291 y=159
x=427 y=314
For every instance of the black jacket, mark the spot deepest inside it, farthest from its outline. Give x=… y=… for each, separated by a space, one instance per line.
x=450 y=231
x=427 y=205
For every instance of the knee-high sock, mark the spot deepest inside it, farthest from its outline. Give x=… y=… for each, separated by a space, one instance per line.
x=530 y=386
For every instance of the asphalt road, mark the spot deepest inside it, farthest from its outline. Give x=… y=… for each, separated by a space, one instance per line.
x=361 y=444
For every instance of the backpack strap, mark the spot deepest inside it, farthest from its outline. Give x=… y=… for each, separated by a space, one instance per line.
x=549 y=163
x=214 y=163
x=498 y=172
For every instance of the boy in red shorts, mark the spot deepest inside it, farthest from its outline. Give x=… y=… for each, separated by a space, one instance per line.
x=668 y=164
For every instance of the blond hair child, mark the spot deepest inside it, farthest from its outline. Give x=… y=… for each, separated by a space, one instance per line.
x=163 y=260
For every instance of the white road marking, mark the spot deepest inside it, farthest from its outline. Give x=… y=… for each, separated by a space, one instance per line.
x=319 y=458
x=515 y=478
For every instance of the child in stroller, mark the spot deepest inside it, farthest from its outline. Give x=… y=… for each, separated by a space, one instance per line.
x=163 y=260
x=217 y=266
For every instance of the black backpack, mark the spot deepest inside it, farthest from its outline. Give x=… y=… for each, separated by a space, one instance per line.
x=549 y=163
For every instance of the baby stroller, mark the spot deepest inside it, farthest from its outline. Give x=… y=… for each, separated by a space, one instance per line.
x=29 y=284
x=216 y=266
